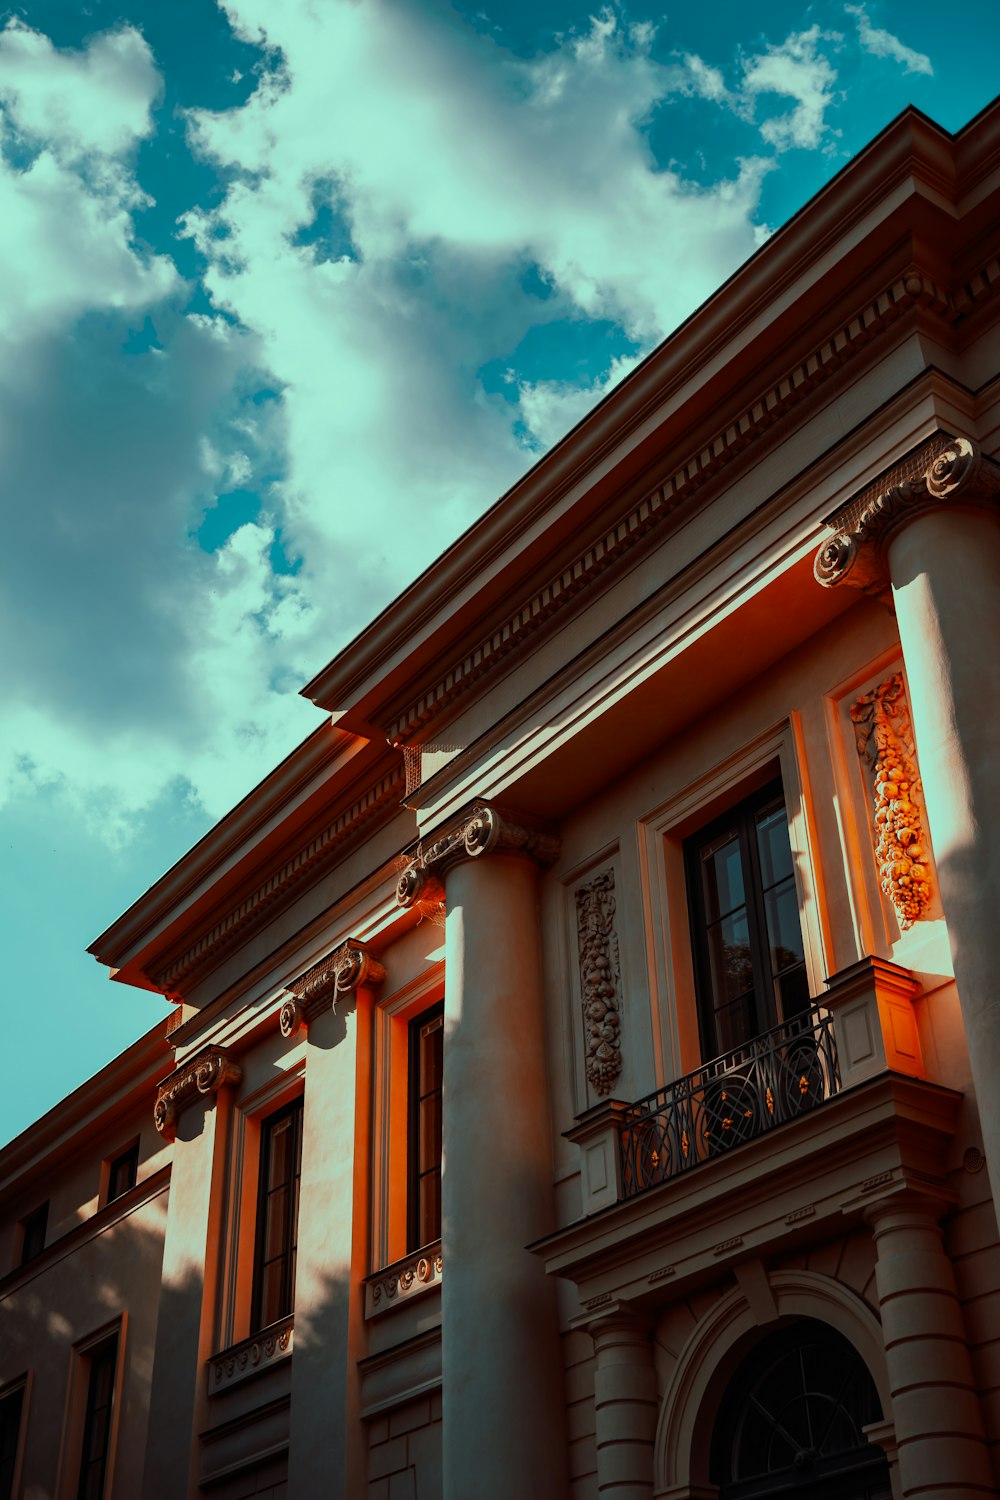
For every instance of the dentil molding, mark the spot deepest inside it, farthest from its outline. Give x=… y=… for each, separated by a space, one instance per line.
x=941 y=471
x=205 y=1074
x=484 y=829
x=349 y=967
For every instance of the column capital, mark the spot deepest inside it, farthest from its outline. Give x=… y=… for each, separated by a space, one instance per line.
x=483 y=828
x=349 y=967
x=942 y=470
x=204 y=1074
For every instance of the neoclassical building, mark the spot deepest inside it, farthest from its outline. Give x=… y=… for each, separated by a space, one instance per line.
x=584 y=1072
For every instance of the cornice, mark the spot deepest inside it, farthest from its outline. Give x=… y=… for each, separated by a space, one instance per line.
x=320 y=755
x=253 y=910
x=205 y=1074
x=659 y=505
x=908 y=166
x=350 y=967
x=941 y=471
x=482 y=829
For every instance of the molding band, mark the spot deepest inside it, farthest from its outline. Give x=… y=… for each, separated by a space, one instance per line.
x=206 y=1074
x=485 y=829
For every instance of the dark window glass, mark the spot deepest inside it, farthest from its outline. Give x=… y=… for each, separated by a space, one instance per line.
x=426 y=1072
x=277 y=1216
x=35 y=1225
x=11 y=1403
x=792 y=1422
x=750 y=962
x=123 y=1172
x=97 y=1422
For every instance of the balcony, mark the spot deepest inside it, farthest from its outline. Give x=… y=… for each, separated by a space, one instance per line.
x=774 y=1078
x=863 y=1027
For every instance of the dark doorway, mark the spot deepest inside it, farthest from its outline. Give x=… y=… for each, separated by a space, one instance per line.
x=791 y=1422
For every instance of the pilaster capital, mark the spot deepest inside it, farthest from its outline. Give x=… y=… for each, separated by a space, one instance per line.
x=614 y=1323
x=210 y=1071
x=349 y=967
x=943 y=470
x=908 y=1209
x=482 y=829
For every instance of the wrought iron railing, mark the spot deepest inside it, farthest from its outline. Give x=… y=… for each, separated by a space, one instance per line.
x=770 y=1080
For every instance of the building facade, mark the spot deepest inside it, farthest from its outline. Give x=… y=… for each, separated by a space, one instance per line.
x=583 y=1073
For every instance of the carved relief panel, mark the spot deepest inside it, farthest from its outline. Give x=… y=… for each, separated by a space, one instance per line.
x=884 y=740
x=600 y=980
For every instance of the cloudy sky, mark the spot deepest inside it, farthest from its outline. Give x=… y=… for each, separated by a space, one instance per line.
x=292 y=292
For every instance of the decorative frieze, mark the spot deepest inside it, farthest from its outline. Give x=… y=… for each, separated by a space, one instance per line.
x=660 y=507
x=176 y=976
x=484 y=829
x=349 y=967
x=402 y=1281
x=206 y=1074
x=255 y=1354
x=942 y=470
x=884 y=739
x=600 y=980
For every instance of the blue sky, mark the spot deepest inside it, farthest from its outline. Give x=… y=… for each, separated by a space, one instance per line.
x=292 y=293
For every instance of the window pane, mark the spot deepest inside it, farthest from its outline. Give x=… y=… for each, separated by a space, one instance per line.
x=734 y=1024
x=729 y=956
x=97 y=1421
x=430 y=1208
x=772 y=844
x=272 y=1301
x=784 y=931
x=282 y=1140
x=276 y=1233
x=10 y=1427
x=431 y=1055
x=722 y=876
x=429 y=1133
x=791 y=991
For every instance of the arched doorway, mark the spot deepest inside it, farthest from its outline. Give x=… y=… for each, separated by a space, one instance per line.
x=791 y=1422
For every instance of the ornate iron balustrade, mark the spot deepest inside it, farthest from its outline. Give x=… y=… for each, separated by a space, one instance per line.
x=734 y=1098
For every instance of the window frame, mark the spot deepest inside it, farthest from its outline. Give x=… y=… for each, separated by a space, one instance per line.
x=71 y=1450
x=292 y=1109
x=740 y=817
x=109 y=1345
x=27 y=1227
x=778 y=750
x=414 y=1176
x=111 y=1163
x=20 y=1388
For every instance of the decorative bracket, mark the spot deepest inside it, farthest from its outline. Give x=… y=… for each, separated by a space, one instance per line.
x=206 y=1074
x=349 y=967
x=484 y=829
x=942 y=470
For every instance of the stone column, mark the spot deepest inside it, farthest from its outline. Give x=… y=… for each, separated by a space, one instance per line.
x=938 y=1424
x=626 y=1404
x=327 y=1451
x=503 y=1388
x=192 y=1110
x=927 y=539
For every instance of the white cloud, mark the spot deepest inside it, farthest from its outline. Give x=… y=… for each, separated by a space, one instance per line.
x=882 y=43
x=798 y=70
x=549 y=408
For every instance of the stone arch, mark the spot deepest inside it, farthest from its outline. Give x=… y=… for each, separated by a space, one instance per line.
x=710 y=1355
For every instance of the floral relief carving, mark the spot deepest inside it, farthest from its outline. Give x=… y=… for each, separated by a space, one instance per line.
x=405 y=1279
x=600 y=980
x=884 y=739
x=254 y=1354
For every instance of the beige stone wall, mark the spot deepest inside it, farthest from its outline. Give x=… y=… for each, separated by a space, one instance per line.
x=404 y=1451
x=265 y=1481
x=973 y=1244
x=579 y=1363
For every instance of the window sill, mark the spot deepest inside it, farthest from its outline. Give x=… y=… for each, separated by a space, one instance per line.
x=403 y=1280
x=260 y=1352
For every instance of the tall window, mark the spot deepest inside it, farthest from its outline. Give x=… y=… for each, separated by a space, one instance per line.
x=749 y=958
x=426 y=1068
x=33 y=1233
x=11 y=1403
x=277 y=1216
x=122 y=1173
x=102 y=1359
